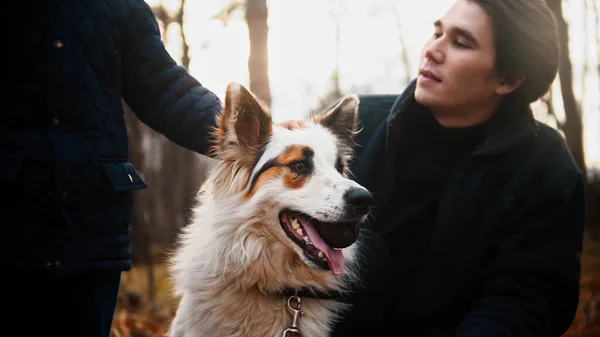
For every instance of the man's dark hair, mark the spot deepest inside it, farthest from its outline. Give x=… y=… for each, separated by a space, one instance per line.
x=526 y=41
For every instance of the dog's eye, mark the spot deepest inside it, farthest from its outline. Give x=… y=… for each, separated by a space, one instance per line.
x=299 y=167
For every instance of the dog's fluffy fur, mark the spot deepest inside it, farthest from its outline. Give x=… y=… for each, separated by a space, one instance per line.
x=235 y=257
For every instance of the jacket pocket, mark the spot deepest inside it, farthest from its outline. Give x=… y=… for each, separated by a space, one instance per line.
x=105 y=202
x=123 y=176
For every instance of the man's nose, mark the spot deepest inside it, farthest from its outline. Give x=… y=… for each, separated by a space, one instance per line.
x=434 y=52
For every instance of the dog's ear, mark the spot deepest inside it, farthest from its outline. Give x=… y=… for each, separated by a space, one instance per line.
x=244 y=125
x=341 y=119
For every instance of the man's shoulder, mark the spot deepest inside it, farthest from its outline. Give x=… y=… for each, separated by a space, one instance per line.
x=379 y=103
x=373 y=109
x=551 y=140
x=558 y=162
x=124 y=9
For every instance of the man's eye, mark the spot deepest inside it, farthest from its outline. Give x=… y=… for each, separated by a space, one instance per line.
x=460 y=44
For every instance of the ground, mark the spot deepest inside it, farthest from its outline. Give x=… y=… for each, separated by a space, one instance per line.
x=137 y=317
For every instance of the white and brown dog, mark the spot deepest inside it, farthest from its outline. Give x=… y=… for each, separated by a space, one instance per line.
x=278 y=212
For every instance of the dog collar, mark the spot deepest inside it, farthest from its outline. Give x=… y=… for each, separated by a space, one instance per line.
x=311 y=293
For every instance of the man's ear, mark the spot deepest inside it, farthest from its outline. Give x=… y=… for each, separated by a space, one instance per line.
x=508 y=85
x=244 y=124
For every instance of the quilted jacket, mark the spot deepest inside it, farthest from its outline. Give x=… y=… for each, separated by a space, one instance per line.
x=66 y=181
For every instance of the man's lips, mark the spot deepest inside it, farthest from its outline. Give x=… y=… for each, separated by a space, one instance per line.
x=429 y=75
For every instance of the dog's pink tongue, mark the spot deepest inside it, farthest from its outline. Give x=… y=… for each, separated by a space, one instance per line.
x=335 y=258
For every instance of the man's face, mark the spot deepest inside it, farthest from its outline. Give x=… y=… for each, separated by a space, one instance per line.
x=456 y=73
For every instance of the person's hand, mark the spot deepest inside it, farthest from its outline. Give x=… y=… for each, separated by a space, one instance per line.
x=292 y=124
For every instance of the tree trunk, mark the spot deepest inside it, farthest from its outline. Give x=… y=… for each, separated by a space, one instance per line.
x=179 y=166
x=185 y=48
x=404 y=55
x=597 y=35
x=178 y=174
x=573 y=127
x=141 y=242
x=258 y=61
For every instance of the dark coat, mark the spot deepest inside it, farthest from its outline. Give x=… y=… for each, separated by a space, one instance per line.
x=503 y=257
x=65 y=174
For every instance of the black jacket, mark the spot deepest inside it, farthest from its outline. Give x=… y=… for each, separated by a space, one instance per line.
x=65 y=177
x=503 y=257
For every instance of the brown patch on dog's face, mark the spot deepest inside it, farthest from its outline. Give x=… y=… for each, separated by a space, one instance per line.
x=293 y=166
x=298 y=160
x=271 y=173
x=292 y=153
x=293 y=180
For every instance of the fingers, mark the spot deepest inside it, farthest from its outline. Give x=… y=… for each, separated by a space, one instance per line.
x=292 y=124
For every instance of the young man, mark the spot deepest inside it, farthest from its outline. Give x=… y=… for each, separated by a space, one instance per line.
x=65 y=178
x=481 y=207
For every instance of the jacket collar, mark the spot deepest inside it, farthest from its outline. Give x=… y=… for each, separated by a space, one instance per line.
x=509 y=125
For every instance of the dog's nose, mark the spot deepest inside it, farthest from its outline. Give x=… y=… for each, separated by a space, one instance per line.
x=359 y=200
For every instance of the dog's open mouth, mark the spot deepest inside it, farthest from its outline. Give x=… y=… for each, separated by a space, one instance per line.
x=322 y=242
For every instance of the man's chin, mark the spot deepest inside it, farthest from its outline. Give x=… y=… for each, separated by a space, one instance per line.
x=426 y=97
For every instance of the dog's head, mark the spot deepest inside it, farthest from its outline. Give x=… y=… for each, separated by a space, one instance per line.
x=293 y=183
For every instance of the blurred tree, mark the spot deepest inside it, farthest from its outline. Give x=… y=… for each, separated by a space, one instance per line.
x=404 y=54
x=172 y=172
x=226 y=12
x=172 y=182
x=256 y=13
x=141 y=242
x=180 y=173
x=258 y=61
x=597 y=34
x=572 y=126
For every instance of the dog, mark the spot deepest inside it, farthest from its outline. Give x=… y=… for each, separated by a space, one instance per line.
x=276 y=215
